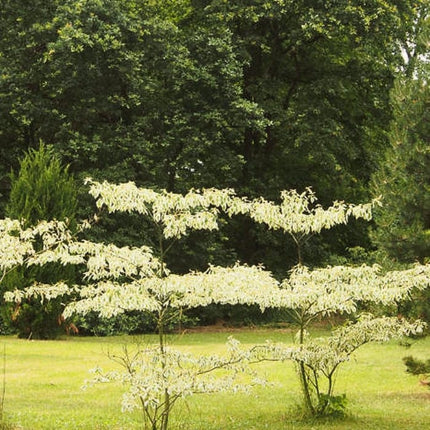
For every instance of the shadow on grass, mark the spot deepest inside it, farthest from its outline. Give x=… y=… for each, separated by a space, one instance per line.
x=7 y=426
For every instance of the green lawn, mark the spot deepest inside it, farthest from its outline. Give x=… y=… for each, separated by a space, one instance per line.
x=44 y=380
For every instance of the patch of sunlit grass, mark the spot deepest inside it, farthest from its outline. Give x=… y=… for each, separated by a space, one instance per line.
x=44 y=382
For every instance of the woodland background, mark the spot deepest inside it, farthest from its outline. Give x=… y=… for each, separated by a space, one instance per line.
x=259 y=96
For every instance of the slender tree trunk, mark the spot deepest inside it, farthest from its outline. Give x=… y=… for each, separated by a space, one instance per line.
x=303 y=375
x=306 y=391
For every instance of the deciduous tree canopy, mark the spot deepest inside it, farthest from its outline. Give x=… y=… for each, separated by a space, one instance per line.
x=258 y=95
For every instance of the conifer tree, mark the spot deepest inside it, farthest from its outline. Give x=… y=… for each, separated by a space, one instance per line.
x=402 y=232
x=404 y=179
x=43 y=189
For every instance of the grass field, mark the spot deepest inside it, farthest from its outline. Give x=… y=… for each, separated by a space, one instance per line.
x=44 y=379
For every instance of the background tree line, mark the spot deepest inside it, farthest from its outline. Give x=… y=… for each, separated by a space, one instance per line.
x=258 y=96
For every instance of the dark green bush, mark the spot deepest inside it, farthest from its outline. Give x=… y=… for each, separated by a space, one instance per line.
x=127 y=323
x=43 y=189
x=415 y=366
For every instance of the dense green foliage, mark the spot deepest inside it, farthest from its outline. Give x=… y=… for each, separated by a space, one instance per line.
x=404 y=178
x=41 y=190
x=259 y=96
x=417 y=367
x=402 y=233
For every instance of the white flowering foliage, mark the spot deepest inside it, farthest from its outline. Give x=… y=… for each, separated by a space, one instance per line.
x=323 y=355
x=311 y=294
x=13 y=249
x=339 y=289
x=298 y=214
x=43 y=292
x=33 y=246
x=234 y=285
x=196 y=210
x=103 y=262
x=176 y=213
x=149 y=375
x=107 y=261
x=318 y=359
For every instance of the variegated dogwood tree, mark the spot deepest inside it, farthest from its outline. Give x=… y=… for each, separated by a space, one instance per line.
x=312 y=294
x=120 y=279
x=37 y=245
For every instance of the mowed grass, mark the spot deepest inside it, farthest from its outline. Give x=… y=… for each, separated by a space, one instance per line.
x=44 y=382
